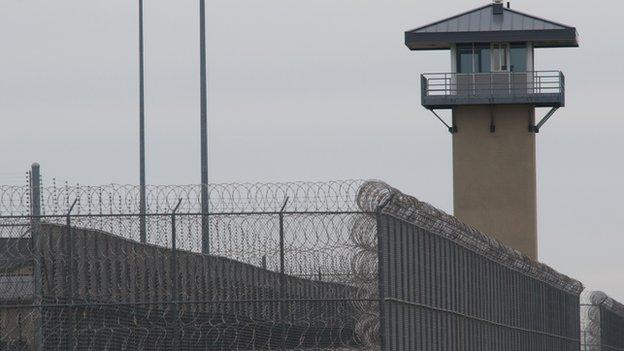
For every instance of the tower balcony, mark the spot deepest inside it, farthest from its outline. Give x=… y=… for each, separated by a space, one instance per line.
x=537 y=88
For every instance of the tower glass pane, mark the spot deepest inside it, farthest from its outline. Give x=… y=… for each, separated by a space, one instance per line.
x=500 y=60
x=518 y=56
x=465 y=59
x=484 y=56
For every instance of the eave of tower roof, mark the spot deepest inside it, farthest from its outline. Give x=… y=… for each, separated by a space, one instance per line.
x=482 y=25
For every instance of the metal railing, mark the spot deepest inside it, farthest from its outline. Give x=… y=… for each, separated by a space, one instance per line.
x=543 y=88
x=493 y=84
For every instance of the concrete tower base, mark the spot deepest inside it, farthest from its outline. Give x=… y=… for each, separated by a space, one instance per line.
x=494 y=177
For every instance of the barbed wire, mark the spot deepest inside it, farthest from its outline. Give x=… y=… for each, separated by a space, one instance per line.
x=224 y=198
x=375 y=193
x=599 y=331
x=229 y=299
x=106 y=289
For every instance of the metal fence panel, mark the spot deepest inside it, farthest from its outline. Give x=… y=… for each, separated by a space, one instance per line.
x=491 y=311
x=473 y=293
x=602 y=323
x=104 y=291
x=319 y=266
x=291 y=267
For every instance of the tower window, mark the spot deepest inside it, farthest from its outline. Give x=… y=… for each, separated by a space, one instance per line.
x=518 y=55
x=500 y=57
x=484 y=57
x=465 y=59
x=494 y=57
x=473 y=58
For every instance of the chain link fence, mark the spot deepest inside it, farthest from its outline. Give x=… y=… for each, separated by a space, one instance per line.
x=347 y=265
x=280 y=274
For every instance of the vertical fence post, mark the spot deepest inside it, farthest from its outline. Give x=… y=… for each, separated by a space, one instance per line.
x=70 y=277
x=174 y=277
x=603 y=325
x=381 y=236
x=282 y=303
x=20 y=334
x=35 y=230
x=579 y=330
x=205 y=220
x=382 y=286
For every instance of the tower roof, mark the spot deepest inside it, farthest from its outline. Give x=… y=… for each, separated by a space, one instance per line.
x=491 y=23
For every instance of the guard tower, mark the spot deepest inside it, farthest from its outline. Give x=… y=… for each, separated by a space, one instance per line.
x=493 y=90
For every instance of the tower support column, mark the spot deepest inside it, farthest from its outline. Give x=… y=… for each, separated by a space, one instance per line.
x=494 y=173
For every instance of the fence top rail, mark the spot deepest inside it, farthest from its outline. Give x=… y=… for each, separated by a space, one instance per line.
x=408 y=208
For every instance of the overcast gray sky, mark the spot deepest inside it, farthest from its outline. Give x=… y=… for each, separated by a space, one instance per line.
x=302 y=90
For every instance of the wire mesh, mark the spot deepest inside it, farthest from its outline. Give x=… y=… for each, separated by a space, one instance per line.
x=446 y=286
x=602 y=322
x=276 y=278
x=295 y=266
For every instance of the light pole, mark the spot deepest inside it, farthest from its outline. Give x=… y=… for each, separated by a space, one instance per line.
x=142 y=206
x=203 y=129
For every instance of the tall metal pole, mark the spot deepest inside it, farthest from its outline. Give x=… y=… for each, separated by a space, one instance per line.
x=142 y=206
x=203 y=129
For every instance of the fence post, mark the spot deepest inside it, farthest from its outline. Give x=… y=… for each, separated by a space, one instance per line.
x=205 y=220
x=381 y=274
x=174 y=276
x=70 y=277
x=602 y=324
x=142 y=223
x=282 y=303
x=20 y=336
x=35 y=230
